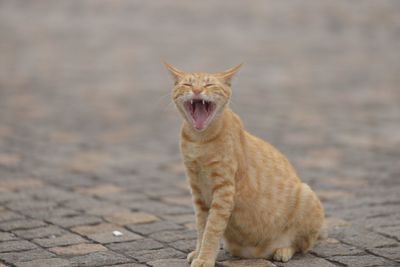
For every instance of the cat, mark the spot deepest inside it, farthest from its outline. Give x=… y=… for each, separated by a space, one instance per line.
x=244 y=190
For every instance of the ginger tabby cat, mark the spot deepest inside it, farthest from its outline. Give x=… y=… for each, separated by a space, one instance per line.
x=244 y=190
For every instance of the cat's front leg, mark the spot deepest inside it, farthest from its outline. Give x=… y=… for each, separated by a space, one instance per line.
x=218 y=217
x=201 y=218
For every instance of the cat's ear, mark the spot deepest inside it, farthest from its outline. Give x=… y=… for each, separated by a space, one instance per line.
x=176 y=74
x=227 y=75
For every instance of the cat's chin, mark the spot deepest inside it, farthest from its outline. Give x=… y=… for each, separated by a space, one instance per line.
x=200 y=113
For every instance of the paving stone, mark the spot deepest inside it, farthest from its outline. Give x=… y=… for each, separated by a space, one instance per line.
x=14 y=184
x=126 y=218
x=363 y=238
x=46 y=231
x=171 y=236
x=53 y=262
x=102 y=258
x=392 y=253
x=99 y=190
x=51 y=193
x=18 y=245
x=84 y=203
x=154 y=227
x=87 y=162
x=109 y=237
x=129 y=265
x=390 y=231
x=6 y=215
x=168 y=263
x=21 y=224
x=7 y=236
x=184 y=245
x=179 y=200
x=142 y=244
x=362 y=261
x=106 y=210
x=307 y=260
x=75 y=220
x=159 y=208
x=180 y=219
x=245 y=263
x=67 y=239
x=30 y=205
x=78 y=249
x=9 y=160
x=21 y=256
x=93 y=229
x=151 y=255
x=124 y=197
x=327 y=249
x=7 y=197
x=51 y=212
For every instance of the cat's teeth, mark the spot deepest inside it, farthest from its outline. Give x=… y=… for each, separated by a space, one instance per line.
x=191 y=101
x=203 y=102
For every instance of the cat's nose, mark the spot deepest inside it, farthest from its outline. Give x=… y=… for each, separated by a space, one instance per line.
x=197 y=90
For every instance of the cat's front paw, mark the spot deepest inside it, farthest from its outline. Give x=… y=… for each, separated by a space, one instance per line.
x=202 y=263
x=191 y=256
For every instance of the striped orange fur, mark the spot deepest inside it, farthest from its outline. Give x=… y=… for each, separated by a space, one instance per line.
x=244 y=190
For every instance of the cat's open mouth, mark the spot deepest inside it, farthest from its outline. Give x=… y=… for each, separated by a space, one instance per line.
x=200 y=111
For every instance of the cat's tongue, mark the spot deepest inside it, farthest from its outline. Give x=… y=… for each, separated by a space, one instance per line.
x=200 y=115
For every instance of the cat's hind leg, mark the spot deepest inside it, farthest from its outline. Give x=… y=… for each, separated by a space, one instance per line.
x=284 y=254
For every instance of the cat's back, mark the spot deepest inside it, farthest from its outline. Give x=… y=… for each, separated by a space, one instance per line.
x=261 y=155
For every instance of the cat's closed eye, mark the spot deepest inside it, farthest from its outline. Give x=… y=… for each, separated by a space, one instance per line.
x=187 y=84
x=209 y=85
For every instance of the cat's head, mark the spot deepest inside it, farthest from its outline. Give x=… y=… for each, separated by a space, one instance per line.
x=201 y=97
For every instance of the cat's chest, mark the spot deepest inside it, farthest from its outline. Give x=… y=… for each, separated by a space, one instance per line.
x=197 y=161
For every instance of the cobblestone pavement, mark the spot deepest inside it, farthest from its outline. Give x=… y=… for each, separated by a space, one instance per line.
x=89 y=136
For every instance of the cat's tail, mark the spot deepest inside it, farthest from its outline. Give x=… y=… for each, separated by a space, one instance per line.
x=323 y=232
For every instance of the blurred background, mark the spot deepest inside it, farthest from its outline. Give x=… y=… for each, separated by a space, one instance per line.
x=88 y=76
x=88 y=128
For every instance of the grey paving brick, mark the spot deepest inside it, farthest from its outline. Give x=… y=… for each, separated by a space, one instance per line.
x=129 y=265
x=142 y=244
x=325 y=249
x=169 y=262
x=29 y=255
x=171 y=236
x=41 y=232
x=390 y=231
x=55 y=241
x=363 y=238
x=7 y=236
x=307 y=260
x=184 y=245
x=12 y=196
x=245 y=263
x=46 y=213
x=151 y=255
x=149 y=228
x=99 y=259
x=392 y=253
x=158 y=207
x=109 y=237
x=75 y=220
x=30 y=205
x=17 y=245
x=363 y=261
x=53 y=262
x=6 y=215
x=21 y=224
